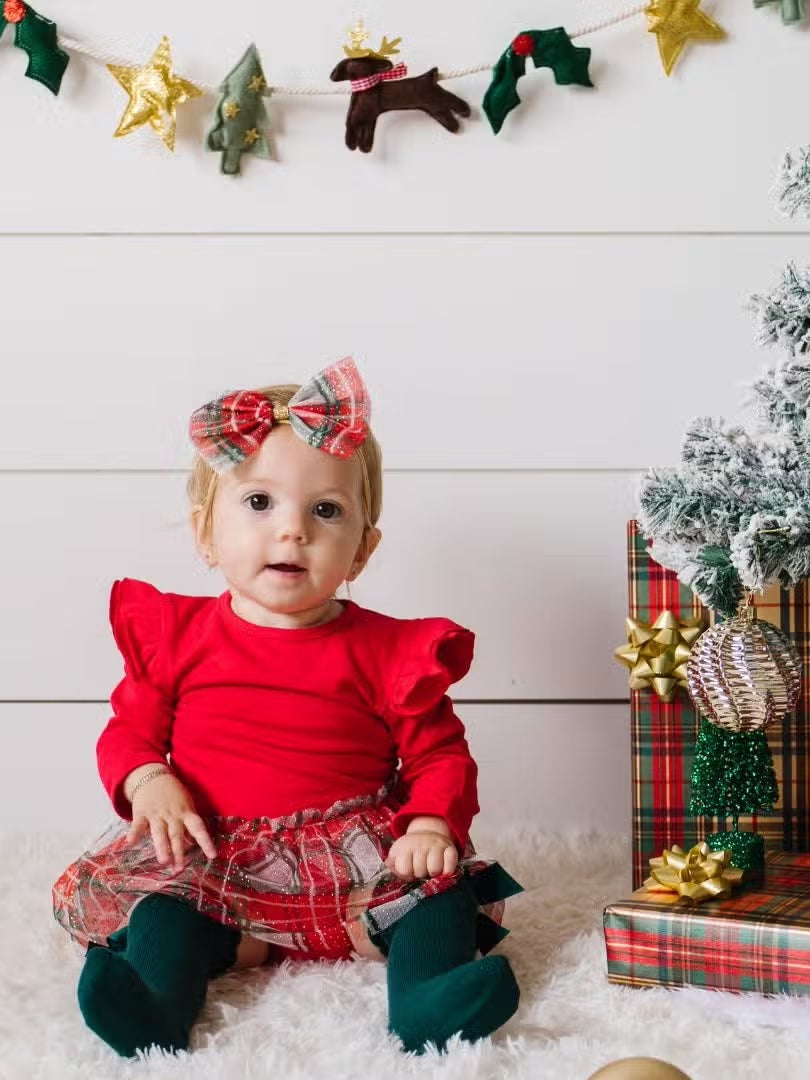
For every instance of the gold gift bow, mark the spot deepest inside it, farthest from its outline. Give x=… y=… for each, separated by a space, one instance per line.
x=657 y=653
x=697 y=874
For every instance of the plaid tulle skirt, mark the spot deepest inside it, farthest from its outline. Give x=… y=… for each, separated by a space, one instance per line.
x=313 y=884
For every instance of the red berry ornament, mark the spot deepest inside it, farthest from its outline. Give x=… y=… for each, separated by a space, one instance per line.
x=14 y=11
x=523 y=45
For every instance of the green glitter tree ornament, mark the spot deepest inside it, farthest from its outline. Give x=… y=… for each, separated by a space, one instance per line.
x=732 y=773
x=241 y=117
x=547 y=48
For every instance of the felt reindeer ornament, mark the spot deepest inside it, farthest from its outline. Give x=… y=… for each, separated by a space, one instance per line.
x=379 y=86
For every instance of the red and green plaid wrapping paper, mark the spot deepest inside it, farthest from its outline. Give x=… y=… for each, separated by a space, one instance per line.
x=757 y=940
x=663 y=736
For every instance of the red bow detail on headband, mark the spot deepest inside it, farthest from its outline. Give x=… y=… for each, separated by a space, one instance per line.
x=331 y=413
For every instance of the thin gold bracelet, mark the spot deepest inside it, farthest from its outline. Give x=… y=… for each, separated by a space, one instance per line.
x=159 y=771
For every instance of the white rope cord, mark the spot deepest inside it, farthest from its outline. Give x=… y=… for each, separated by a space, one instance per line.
x=72 y=45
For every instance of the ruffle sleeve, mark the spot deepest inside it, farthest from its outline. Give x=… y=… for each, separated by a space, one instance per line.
x=433 y=654
x=436 y=768
x=139 y=731
x=136 y=618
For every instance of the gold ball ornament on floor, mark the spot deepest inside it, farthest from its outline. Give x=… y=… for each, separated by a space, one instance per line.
x=657 y=653
x=744 y=673
x=639 y=1069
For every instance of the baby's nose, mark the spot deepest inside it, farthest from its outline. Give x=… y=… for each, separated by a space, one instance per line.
x=293 y=527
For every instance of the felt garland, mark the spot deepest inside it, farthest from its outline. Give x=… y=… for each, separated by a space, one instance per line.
x=240 y=122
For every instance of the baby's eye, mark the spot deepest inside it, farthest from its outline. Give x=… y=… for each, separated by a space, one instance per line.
x=328 y=511
x=258 y=502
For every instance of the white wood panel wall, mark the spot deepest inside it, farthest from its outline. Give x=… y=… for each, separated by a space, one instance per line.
x=532 y=352
x=538 y=317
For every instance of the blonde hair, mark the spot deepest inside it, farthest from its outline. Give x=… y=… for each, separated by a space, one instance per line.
x=201 y=486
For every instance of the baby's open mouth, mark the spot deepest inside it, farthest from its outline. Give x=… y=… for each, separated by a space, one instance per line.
x=286 y=568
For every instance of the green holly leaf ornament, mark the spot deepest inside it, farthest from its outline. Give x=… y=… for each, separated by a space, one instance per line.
x=547 y=48
x=36 y=36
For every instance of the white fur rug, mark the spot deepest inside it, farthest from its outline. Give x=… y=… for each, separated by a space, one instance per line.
x=324 y=1021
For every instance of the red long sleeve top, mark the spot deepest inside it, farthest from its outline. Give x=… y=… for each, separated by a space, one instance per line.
x=263 y=722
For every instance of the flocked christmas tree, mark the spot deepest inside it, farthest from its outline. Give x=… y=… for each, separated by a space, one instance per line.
x=733 y=519
x=736 y=514
x=240 y=125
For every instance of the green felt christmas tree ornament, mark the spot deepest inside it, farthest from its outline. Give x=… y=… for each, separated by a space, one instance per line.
x=792 y=10
x=240 y=124
x=36 y=36
x=547 y=48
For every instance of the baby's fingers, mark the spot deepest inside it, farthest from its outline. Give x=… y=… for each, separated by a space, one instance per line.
x=421 y=863
x=450 y=860
x=196 y=828
x=403 y=865
x=435 y=862
x=137 y=829
x=177 y=838
x=160 y=839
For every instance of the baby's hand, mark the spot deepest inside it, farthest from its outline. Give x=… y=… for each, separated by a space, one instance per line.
x=421 y=855
x=164 y=807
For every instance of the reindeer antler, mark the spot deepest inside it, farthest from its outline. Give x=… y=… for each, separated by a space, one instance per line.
x=357 y=44
x=388 y=48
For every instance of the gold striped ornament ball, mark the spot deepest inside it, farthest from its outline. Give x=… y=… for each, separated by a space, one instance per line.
x=744 y=673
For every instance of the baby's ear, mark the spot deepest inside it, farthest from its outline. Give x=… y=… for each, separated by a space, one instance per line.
x=368 y=545
x=202 y=537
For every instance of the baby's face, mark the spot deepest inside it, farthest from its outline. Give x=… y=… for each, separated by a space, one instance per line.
x=287 y=529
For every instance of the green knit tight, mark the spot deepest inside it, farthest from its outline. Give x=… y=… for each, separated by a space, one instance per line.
x=148 y=988
x=436 y=987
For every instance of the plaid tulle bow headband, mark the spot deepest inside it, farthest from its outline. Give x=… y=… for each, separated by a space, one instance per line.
x=331 y=412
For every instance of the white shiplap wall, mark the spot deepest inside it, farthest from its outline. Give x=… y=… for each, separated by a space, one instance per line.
x=537 y=315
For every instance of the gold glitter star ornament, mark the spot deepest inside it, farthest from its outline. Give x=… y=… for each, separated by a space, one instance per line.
x=154 y=94
x=674 y=22
x=657 y=653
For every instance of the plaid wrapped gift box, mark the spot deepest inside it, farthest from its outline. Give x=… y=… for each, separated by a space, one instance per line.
x=757 y=940
x=663 y=736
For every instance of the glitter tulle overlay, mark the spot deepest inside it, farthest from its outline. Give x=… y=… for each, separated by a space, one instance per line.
x=313 y=884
